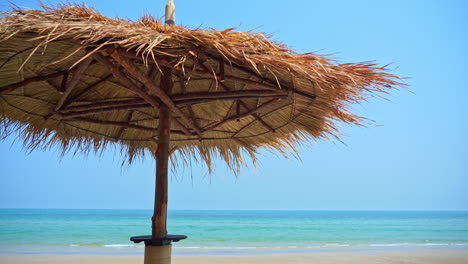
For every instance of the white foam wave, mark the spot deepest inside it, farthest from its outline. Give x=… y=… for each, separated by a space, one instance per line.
x=287 y=247
x=323 y=246
x=390 y=245
x=336 y=245
x=118 y=245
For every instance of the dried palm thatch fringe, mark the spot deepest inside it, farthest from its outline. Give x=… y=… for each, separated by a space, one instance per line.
x=54 y=79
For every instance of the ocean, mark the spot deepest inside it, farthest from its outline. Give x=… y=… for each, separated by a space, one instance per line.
x=67 y=231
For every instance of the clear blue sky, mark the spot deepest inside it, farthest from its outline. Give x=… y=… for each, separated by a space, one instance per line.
x=414 y=157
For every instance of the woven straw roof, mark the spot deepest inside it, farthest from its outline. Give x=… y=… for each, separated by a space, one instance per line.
x=74 y=78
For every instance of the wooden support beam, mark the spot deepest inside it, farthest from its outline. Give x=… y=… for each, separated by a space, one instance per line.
x=222 y=73
x=130 y=85
x=182 y=127
x=183 y=86
x=102 y=110
x=230 y=95
x=133 y=104
x=305 y=94
x=181 y=99
x=184 y=91
x=133 y=70
x=247 y=71
x=240 y=80
x=105 y=107
x=257 y=84
x=265 y=124
x=111 y=123
x=122 y=130
x=263 y=116
x=118 y=124
x=259 y=119
x=239 y=116
x=77 y=73
x=243 y=128
x=106 y=104
x=122 y=78
x=238 y=110
x=240 y=102
x=85 y=90
x=276 y=109
x=173 y=149
x=234 y=104
x=63 y=85
x=153 y=72
x=12 y=87
x=207 y=73
x=201 y=97
x=263 y=83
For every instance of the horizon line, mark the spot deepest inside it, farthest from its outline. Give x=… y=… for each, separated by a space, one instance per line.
x=218 y=209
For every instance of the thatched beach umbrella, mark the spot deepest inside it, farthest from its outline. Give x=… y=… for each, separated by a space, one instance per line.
x=75 y=79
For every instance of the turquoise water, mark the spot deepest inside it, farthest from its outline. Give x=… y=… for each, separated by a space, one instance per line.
x=78 y=231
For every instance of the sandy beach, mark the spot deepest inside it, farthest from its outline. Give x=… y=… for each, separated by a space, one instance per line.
x=430 y=256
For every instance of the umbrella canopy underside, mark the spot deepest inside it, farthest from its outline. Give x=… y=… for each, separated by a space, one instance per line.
x=72 y=77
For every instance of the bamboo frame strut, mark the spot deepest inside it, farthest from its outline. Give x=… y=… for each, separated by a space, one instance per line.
x=263 y=83
x=132 y=69
x=153 y=72
x=73 y=81
x=183 y=87
x=242 y=103
x=264 y=80
x=105 y=104
x=239 y=116
x=73 y=117
x=112 y=123
x=129 y=119
x=222 y=71
x=86 y=90
x=12 y=87
x=129 y=84
x=102 y=110
x=229 y=95
x=257 y=119
x=187 y=99
x=265 y=124
x=238 y=110
x=149 y=84
x=63 y=85
x=123 y=125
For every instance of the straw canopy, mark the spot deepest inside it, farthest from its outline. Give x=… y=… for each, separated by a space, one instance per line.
x=74 y=78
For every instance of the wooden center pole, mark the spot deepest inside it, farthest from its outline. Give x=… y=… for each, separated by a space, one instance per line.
x=159 y=225
x=162 y=160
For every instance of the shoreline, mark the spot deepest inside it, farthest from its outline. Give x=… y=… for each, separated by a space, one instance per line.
x=427 y=256
x=138 y=249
